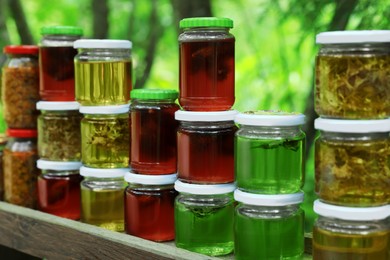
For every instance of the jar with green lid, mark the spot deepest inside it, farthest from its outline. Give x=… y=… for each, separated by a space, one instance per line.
x=56 y=62
x=352 y=71
x=153 y=131
x=105 y=138
x=342 y=233
x=59 y=137
x=268 y=226
x=103 y=71
x=352 y=162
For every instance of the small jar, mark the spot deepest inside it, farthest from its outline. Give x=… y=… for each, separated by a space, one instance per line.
x=268 y=226
x=105 y=138
x=149 y=206
x=352 y=162
x=204 y=218
x=206 y=146
x=3 y=142
x=59 y=137
x=59 y=188
x=103 y=72
x=102 y=196
x=351 y=233
x=352 y=71
x=56 y=62
x=206 y=69
x=20 y=88
x=20 y=171
x=269 y=154
x=153 y=131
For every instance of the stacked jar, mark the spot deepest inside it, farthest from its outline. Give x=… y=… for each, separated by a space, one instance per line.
x=103 y=84
x=352 y=152
x=204 y=207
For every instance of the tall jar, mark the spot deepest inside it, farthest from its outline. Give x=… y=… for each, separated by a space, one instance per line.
x=352 y=162
x=153 y=131
x=206 y=69
x=59 y=188
x=103 y=72
x=105 y=138
x=269 y=152
x=342 y=233
x=102 y=196
x=206 y=146
x=20 y=86
x=352 y=71
x=59 y=137
x=20 y=171
x=56 y=62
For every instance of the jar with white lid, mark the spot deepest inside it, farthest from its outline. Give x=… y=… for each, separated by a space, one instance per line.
x=204 y=218
x=352 y=71
x=268 y=226
x=351 y=233
x=352 y=162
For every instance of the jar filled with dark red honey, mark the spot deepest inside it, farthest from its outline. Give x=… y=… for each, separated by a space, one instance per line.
x=206 y=69
x=153 y=131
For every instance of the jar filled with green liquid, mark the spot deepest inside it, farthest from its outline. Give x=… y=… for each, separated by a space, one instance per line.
x=268 y=226
x=204 y=218
x=269 y=152
x=342 y=233
x=102 y=196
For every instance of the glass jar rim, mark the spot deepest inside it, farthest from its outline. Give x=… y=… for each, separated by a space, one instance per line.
x=58 y=165
x=268 y=199
x=353 y=36
x=352 y=126
x=144 y=179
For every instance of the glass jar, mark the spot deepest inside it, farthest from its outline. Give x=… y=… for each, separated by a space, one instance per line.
x=59 y=137
x=59 y=188
x=269 y=152
x=268 y=226
x=352 y=162
x=206 y=69
x=205 y=151
x=20 y=171
x=204 y=218
x=153 y=131
x=56 y=62
x=342 y=233
x=352 y=71
x=103 y=72
x=102 y=196
x=20 y=86
x=3 y=142
x=149 y=206
x=105 y=138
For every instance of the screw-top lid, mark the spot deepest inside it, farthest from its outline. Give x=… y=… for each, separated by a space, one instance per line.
x=105 y=110
x=363 y=36
x=204 y=189
x=103 y=173
x=150 y=179
x=352 y=126
x=62 y=30
x=58 y=166
x=206 y=22
x=22 y=133
x=102 y=44
x=57 y=106
x=268 y=200
x=217 y=116
x=21 y=49
x=270 y=118
x=351 y=213
x=154 y=94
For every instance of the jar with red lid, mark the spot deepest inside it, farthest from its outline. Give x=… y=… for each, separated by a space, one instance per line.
x=20 y=86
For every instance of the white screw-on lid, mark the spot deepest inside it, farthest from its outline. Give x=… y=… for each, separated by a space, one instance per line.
x=103 y=173
x=351 y=213
x=105 y=110
x=352 y=126
x=204 y=189
x=102 y=44
x=270 y=118
x=150 y=179
x=57 y=106
x=268 y=200
x=217 y=116
x=353 y=36
x=58 y=166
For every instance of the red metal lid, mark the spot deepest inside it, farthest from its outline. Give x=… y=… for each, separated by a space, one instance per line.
x=21 y=49
x=23 y=133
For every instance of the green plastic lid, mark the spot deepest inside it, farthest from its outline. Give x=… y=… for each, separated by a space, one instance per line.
x=62 y=30
x=154 y=94
x=206 y=22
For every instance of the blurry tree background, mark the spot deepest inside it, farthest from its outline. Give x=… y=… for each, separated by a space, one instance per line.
x=275 y=41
